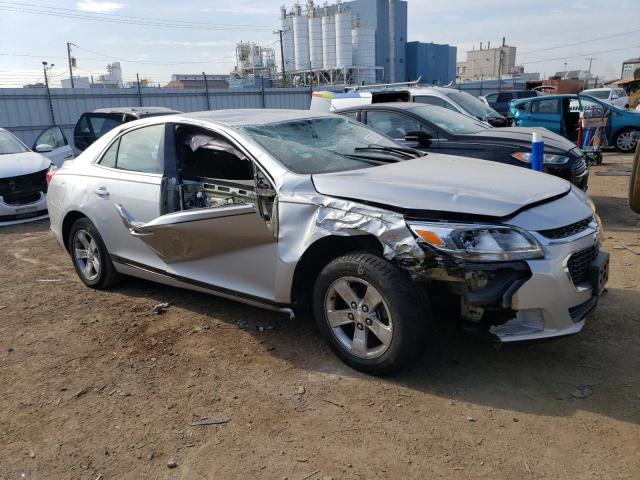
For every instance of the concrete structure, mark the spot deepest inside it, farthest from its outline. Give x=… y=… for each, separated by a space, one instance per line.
x=488 y=63
x=433 y=63
x=112 y=79
x=195 y=80
x=253 y=60
x=630 y=69
x=323 y=41
x=78 y=82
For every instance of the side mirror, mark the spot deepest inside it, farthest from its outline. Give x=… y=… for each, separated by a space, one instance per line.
x=44 y=148
x=634 y=180
x=421 y=138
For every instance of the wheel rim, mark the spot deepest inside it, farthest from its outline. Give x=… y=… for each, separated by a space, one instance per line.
x=626 y=141
x=86 y=255
x=358 y=317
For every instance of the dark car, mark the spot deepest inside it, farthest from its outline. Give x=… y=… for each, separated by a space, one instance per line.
x=499 y=101
x=435 y=129
x=92 y=125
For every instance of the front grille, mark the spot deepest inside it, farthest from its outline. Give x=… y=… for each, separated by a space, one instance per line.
x=567 y=230
x=23 y=186
x=579 y=167
x=579 y=264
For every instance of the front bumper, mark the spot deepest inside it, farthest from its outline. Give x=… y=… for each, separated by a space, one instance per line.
x=11 y=214
x=550 y=303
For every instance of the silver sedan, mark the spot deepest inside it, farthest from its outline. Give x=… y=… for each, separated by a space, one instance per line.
x=299 y=211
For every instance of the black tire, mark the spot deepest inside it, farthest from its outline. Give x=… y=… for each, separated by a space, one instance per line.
x=405 y=301
x=626 y=131
x=105 y=275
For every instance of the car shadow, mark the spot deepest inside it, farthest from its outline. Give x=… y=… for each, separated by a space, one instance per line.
x=537 y=378
x=616 y=214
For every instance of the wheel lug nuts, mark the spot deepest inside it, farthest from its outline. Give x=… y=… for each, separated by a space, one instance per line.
x=369 y=322
x=359 y=326
x=365 y=308
x=350 y=316
x=354 y=305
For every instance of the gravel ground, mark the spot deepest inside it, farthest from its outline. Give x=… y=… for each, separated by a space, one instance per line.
x=96 y=386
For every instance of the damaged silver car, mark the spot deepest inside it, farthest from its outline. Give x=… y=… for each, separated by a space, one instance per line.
x=298 y=210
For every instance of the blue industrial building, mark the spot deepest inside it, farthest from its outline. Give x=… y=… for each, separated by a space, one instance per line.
x=433 y=63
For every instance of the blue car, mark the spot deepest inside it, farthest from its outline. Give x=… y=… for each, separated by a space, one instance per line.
x=561 y=114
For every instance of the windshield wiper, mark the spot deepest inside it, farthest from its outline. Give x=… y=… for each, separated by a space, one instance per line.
x=403 y=152
x=373 y=160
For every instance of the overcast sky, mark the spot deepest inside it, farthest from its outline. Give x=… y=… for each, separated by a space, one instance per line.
x=547 y=33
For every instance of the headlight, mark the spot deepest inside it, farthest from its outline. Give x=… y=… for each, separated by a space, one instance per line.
x=548 y=159
x=478 y=243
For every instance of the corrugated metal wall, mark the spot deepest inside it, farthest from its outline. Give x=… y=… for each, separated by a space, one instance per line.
x=25 y=111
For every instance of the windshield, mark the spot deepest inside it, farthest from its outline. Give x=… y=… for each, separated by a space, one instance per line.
x=10 y=144
x=601 y=94
x=472 y=105
x=449 y=121
x=319 y=145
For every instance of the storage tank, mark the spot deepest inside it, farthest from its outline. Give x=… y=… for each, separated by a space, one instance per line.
x=315 y=37
x=286 y=25
x=344 y=57
x=364 y=51
x=300 y=38
x=328 y=38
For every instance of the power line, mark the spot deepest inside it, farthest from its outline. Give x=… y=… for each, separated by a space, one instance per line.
x=580 y=55
x=57 y=12
x=132 y=17
x=578 y=43
x=111 y=57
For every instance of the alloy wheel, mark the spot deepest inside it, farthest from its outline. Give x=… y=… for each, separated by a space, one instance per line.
x=359 y=317
x=626 y=141
x=86 y=255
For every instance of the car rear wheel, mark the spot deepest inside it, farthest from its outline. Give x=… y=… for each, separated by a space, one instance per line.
x=90 y=257
x=370 y=313
x=626 y=139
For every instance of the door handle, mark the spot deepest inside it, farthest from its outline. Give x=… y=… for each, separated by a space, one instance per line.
x=102 y=192
x=69 y=156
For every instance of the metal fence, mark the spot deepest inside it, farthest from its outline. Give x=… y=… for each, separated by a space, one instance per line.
x=27 y=111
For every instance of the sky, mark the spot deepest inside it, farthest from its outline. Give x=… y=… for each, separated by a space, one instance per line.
x=547 y=33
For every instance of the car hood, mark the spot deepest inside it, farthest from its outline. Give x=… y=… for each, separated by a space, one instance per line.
x=15 y=164
x=521 y=137
x=444 y=183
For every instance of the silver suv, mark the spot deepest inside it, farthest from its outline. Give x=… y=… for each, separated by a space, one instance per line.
x=295 y=211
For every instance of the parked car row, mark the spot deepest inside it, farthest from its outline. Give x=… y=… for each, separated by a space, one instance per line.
x=305 y=211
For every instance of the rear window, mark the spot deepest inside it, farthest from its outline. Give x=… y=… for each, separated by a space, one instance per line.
x=601 y=94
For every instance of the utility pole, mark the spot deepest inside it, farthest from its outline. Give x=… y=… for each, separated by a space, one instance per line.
x=139 y=91
x=280 y=32
x=591 y=59
x=206 y=90
x=500 y=70
x=70 y=60
x=565 y=70
x=45 y=69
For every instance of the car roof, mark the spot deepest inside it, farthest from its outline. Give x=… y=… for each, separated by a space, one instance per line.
x=242 y=117
x=545 y=97
x=599 y=89
x=395 y=105
x=136 y=110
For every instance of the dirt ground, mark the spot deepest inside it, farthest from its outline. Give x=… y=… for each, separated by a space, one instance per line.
x=94 y=386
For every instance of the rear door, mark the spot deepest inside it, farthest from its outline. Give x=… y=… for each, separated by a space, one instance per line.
x=54 y=137
x=543 y=112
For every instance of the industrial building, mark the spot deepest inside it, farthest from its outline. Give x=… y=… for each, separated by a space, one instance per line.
x=362 y=41
x=488 y=63
x=195 y=80
x=432 y=63
x=253 y=61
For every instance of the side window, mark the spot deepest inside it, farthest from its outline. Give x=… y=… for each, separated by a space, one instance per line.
x=52 y=136
x=102 y=124
x=109 y=157
x=351 y=115
x=394 y=125
x=491 y=97
x=551 y=106
x=438 y=102
x=142 y=150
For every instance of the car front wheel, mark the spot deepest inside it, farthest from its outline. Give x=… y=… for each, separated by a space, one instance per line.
x=90 y=257
x=370 y=313
x=626 y=139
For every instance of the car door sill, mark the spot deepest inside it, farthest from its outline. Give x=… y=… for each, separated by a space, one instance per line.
x=162 y=276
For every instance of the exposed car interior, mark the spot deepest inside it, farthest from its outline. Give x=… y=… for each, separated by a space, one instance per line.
x=212 y=173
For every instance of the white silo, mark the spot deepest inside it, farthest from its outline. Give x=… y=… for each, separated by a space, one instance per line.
x=315 y=36
x=344 y=57
x=364 y=51
x=300 y=38
x=328 y=38
x=286 y=25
